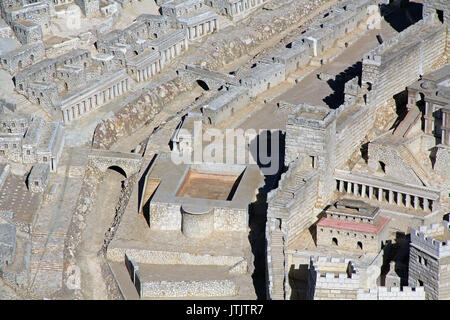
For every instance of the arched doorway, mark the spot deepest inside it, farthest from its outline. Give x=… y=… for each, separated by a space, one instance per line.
x=334 y=241
x=359 y=245
x=203 y=85
x=119 y=170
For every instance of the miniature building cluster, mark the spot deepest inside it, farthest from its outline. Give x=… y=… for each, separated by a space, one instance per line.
x=115 y=126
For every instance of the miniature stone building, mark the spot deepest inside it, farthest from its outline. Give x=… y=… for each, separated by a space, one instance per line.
x=236 y=9
x=353 y=225
x=262 y=77
x=193 y=16
x=89 y=7
x=38 y=178
x=199 y=199
x=308 y=122
x=224 y=105
x=35 y=141
x=429 y=260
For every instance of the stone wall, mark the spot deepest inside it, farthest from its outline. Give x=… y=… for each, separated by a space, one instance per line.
x=331 y=284
x=421 y=275
x=183 y=289
x=171 y=257
x=350 y=137
x=138 y=109
x=395 y=293
x=402 y=59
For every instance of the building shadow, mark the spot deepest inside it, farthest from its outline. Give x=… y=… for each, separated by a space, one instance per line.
x=258 y=211
x=298 y=281
x=337 y=84
x=401 y=100
x=401 y=14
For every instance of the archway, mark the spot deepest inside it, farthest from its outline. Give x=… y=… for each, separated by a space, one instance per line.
x=359 y=245
x=334 y=241
x=119 y=170
x=203 y=85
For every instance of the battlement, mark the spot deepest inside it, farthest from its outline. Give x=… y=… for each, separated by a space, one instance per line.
x=394 y=293
x=404 y=40
x=311 y=116
x=434 y=239
x=333 y=269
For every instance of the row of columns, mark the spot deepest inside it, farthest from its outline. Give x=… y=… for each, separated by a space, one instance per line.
x=197 y=31
x=149 y=71
x=400 y=199
x=244 y=5
x=170 y=53
x=96 y=100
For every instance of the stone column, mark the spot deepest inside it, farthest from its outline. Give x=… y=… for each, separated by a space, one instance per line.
x=349 y=187
x=355 y=189
x=341 y=185
x=426 y=204
x=370 y=192
x=429 y=119
x=445 y=127
x=416 y=202
x=380 y=194
x=408 y=200
x=399 y=198
x=363 y=190
x=391 y=196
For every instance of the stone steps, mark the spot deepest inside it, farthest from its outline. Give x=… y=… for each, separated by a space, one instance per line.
x=415 y=165
x=277 y=260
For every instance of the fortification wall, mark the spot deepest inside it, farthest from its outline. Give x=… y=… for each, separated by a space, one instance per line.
x=419 y=274
x=444 y=278
x=302 y=209
x=424 y=239
x=350 y=137
x=402 y=59
x=335 y=284
x=383 y=293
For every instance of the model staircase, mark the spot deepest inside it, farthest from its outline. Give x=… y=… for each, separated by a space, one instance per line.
x=410 y=159
x=411 y=118
x=277 y=258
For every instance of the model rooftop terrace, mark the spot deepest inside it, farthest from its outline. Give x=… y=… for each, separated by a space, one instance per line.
x=315 y=116
x=353 y=208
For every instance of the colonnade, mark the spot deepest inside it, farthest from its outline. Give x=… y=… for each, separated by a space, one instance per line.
x=201 y=29
x=385 y=194
x=95 y=100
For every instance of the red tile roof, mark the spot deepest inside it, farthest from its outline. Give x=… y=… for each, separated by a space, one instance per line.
x=354 y=226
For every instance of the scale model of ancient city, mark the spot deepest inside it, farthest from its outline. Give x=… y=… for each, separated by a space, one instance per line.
x=225 y=149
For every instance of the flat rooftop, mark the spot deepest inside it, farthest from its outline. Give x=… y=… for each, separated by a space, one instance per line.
x=205 y=185
x=375 y=228
x=354 y=208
